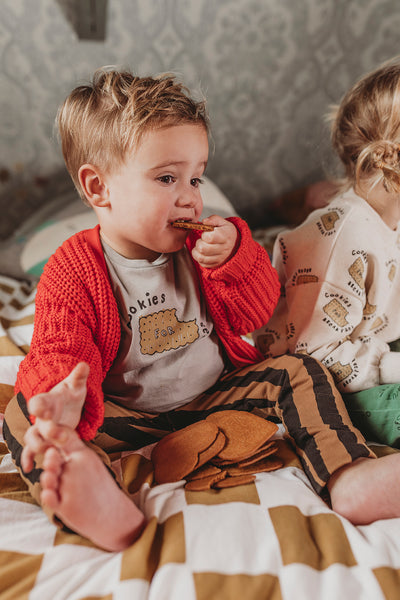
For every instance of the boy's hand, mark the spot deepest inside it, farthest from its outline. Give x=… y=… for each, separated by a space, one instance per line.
x=62 y=405
x=215 y=247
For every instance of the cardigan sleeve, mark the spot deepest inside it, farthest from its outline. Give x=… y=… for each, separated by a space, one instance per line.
x=246 y=287
x=67 y=330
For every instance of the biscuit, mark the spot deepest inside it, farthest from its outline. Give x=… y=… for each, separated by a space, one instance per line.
x=270 y=449
x=244 y=433
x=214 y=449
x=228 y=482
x=266 y=464
x=177 y=454
x=180 y=224
x=264 y=451
x=203 y=471
x=204 y=483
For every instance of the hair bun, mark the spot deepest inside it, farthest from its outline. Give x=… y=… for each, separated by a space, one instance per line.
x=385 y=156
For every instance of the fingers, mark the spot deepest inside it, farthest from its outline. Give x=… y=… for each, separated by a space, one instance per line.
x=52 y=405
x=75 y=382
x=215 y=247
x=60 y=406
x=78 y=376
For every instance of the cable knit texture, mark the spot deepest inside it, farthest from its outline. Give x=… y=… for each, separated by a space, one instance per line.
x=76 y=316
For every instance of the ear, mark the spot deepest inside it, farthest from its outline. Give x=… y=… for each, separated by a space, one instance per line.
x=93 y=185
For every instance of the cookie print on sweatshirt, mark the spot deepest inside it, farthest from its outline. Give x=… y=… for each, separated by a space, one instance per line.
x=304 y=276
x=327 y=223
x=343 y=372
x=336 y=311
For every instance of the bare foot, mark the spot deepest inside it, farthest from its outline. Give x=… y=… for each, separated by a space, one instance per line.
x=77 y=487
x=62 y=405
x=367 y=490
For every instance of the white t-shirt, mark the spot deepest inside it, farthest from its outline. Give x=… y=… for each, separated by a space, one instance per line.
x=340 y=276
x=169 y=352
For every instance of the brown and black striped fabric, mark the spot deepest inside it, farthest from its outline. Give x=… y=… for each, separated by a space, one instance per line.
x=296 y=390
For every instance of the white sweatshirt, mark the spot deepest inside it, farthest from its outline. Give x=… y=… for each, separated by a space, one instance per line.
x=340 y=303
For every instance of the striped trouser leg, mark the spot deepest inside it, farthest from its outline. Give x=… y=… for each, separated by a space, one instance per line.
x=16 y=422
x=294 y=389
x=300 y=392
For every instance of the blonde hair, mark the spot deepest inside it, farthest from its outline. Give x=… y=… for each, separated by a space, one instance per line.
x=365 y=129
x=101 y=123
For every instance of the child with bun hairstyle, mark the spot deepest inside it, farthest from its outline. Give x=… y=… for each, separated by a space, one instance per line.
x=340 y=269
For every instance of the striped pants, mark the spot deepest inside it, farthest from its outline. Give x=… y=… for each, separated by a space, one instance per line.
x=293 y=389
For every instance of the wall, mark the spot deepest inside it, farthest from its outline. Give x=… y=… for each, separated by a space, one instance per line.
x=269 y=69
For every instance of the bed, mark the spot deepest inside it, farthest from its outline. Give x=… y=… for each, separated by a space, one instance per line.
x=268 y=540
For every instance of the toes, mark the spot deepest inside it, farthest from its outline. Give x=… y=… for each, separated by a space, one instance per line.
x=50 y=499
x=49 y=481
x=53 y=462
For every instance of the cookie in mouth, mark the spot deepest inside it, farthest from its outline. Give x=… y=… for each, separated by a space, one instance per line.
x=182 y=224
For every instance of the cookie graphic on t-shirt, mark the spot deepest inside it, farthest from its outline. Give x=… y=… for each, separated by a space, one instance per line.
x=340 y=371
x=377 y=323
x=163 y=331
x=329 y=219
x=356 y=271
x=337 y=312
x=264 y=342
x=369 y=309
x=302 y=279
x=392 y=272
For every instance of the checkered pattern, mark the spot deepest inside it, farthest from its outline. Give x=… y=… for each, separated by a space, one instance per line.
x=269 y=540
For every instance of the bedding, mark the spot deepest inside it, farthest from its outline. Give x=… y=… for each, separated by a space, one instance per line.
x=272 y=539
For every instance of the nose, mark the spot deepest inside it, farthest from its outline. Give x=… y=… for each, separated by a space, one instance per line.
x=188 y=196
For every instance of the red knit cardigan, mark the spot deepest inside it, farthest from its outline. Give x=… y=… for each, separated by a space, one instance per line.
x=76 y=314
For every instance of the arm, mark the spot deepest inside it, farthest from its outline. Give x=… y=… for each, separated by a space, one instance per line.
x=325 y=308
x=245 y=284
x=70 y=328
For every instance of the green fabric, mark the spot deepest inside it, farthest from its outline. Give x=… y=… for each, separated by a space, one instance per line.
x=376 y=413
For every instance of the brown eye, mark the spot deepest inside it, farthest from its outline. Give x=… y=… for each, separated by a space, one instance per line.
x=167 y=179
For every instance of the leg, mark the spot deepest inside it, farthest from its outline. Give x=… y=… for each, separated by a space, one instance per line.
x=298 y=391
x=78 y=489
x=67 y=479
x=301 y=392
x=367 y=490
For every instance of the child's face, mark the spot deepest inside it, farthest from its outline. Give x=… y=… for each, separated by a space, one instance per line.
x=158 y=184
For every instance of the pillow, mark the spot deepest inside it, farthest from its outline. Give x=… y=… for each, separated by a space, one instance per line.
x=25 y=254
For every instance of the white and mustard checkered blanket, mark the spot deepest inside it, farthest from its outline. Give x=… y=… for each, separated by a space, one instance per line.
x=273 y=539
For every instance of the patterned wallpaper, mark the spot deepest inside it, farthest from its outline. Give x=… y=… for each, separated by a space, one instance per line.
x=269 y=69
